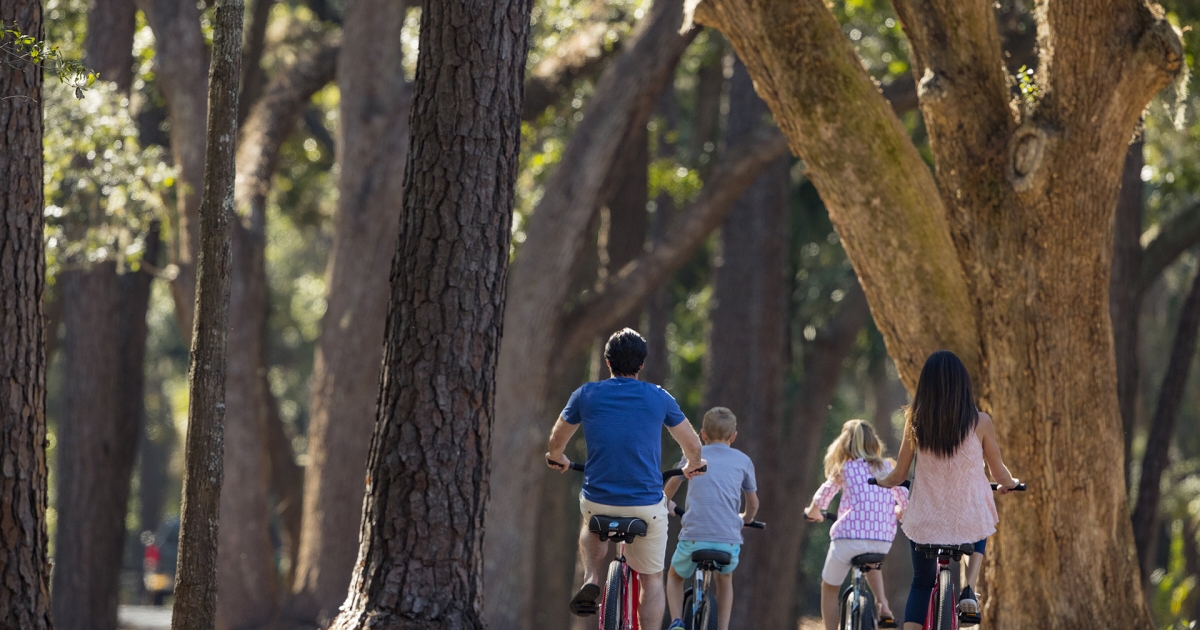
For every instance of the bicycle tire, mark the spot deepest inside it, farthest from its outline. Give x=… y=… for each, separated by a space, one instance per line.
x=687 y=609
x=946 y=617
x=846 y=610
x=613 y=612
x=708 y=613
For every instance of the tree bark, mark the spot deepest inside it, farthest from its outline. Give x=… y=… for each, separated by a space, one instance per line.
x=1125 y=291
x=748 y=341
x=1158 y=442
x=421 y=557
x=254 y=79
x=108 y=45
x=24 y=570
x=196 y=574
x=287 y=481
x=1012 y=244
x=373 y=141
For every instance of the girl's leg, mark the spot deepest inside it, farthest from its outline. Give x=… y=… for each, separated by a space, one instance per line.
x=724 y=600
x=829 y=605
x=924 y=578
x=974 y=564
x=875 y=581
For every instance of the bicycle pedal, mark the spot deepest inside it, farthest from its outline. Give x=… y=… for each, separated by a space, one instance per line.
x=969 y=619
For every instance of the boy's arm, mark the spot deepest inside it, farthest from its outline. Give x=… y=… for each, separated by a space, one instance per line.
x=751 y=506
x=991 y=453
x=559 y=436
x=686 y=436
x=672 y=487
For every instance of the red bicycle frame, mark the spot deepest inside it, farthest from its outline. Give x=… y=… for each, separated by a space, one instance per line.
x=630 y=592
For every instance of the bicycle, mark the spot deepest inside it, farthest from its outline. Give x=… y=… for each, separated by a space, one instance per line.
x=942 y=612
x=856 y=604
x=699 y=603
x=619 y=598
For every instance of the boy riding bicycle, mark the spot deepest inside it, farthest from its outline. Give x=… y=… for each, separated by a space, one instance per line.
x=622 y=420
x=713 y=519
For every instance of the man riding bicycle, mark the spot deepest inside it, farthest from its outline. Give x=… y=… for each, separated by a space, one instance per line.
x=621 y=418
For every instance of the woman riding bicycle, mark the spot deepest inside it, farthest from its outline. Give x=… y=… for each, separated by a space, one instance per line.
x=951 y=501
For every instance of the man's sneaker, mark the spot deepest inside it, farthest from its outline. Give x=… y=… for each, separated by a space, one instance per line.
x=968 y=608
x=676 y=625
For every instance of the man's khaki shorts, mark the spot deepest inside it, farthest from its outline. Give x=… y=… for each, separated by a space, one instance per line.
x=646 y=554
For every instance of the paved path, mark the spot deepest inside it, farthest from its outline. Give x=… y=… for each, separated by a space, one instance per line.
x=144 y=617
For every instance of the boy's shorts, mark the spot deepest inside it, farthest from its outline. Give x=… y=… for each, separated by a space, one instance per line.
x=682 y=560
x=842 y=550
x=646 y=554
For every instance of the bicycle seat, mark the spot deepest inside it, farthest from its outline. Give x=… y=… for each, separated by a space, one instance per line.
x=711 y=555
x=617 y=528
x=867 y=559
x=954 y=551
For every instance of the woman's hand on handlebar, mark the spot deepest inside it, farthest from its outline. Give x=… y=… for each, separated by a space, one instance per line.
x=892 y=479
x=558 y=462
x=693 y=469
x=1005 y=488
x=813 y=514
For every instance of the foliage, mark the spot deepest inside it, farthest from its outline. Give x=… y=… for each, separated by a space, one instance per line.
x=16 y=47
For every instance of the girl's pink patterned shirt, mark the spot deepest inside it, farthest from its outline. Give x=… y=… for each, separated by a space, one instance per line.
x=866 y=512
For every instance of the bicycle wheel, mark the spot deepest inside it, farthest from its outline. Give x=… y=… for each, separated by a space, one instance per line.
x=688 y=598
x=612 y=614
x=846 y=609
x=945 y=605
x=708 y=613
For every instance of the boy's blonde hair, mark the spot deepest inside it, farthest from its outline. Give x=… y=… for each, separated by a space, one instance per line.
x=857 y=441
x=719 y=424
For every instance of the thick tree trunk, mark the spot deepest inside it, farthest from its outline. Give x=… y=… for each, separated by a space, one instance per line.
x=747 y=347
x=196 y=574
x=1014 y=249
x=373 y=148
x=287 y=480
x=108 y=46
x=421 y=559
x=24 y=570
x=1125 y=291
x=1158 y=442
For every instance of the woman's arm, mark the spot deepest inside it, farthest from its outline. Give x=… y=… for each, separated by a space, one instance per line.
x=903 y=461
x=991 y=453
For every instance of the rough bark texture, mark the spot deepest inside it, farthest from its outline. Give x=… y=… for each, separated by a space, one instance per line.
x=1125 y=291
x=182 y=59
x=373 y=148
x=1158 y=442
x=748 y=341
x=24 y=571
x=1013 y=249
x=420 y=564
x=108 y=46
x=196 y=574
x=105 y=317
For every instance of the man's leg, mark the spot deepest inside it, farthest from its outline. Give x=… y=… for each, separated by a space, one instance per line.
x=675 y=594
x=829 y=604
x=875 y=581
x=592 y=552
x=724 y=600
x=650 y=607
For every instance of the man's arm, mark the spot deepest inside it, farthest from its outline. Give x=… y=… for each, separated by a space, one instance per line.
x=686 y=436
x=559 y=436
x=751 y=507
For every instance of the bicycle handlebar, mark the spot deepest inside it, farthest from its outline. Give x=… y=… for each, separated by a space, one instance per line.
x=667 y=474
x=752 y=524
x=1019 y=488
x=871 y=481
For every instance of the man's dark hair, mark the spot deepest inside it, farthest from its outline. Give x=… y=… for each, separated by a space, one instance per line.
x=626 y=352
x=943 y=413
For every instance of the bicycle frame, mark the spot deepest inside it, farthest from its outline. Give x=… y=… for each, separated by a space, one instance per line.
x=629 y=595
x=943 y=572
x=858 y=588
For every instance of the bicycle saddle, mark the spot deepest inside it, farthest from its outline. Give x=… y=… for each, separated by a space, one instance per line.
x=867 y=559
x=711 y=555
x=955 y=551
x=617 y=528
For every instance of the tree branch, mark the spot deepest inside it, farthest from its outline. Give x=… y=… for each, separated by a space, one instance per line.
x=621 y=296
x=875 y=184
x=1171 y=238
x=583 y=55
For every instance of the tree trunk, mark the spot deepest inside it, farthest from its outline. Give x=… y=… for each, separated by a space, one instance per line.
x=287 y=477
x=196 y=573
x=1158 y=442
x=24 y=570
x=748 y=339
x=254 y=79
x=658 y=307
x=1126 y=290
x=421 y=558
x=108 y=46
x=1004 y=259
x=105 y=317
x=373 y=149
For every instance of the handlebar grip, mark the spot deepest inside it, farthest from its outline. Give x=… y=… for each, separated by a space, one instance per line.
x=1020 y=487
x=678 y=472
x=756 y=525
x=577 y=466
x=679 y=511
x=829 y=516
x=871 y=481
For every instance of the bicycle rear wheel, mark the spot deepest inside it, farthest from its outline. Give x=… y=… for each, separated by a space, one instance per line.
x=946 y=619
x=687 y=610
x=612 y=613
x=708 y=613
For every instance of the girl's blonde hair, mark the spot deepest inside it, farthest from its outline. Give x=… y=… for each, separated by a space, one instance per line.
x=857 y=441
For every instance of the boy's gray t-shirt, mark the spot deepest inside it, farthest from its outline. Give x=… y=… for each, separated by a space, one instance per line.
x=714 y=499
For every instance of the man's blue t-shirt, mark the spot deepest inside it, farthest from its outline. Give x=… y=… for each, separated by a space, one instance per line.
x=622 y=423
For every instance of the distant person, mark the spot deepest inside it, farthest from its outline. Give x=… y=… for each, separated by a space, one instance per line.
x=952 y=499
x=867 y=515
x=713 y=519
x=622 y=420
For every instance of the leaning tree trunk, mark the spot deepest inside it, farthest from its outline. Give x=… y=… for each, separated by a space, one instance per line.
x=1126 y=291
x=1004 y=258
x=373 y=149
x=108 y=46
x=24 y=570
x=196 y=573
x=421 y=558
x=748 y=339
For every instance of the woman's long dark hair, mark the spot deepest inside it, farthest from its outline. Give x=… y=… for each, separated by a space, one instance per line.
x=943 y=411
